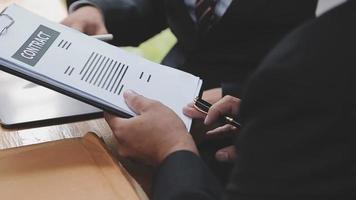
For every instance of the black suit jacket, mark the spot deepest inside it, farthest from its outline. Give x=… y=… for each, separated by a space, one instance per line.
x=226 y=54
x=298 y=138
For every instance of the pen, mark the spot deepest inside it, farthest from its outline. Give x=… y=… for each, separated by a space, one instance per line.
x=104 y=37
x=204 y=107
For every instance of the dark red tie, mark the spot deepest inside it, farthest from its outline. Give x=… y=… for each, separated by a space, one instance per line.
x=204 y=11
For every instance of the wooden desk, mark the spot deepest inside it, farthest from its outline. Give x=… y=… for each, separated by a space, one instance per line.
x=56 y=10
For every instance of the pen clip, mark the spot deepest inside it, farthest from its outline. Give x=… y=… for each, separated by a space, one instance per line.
x=5 y=28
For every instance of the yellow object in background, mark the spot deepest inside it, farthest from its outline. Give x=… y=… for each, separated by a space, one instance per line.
x=157 y=47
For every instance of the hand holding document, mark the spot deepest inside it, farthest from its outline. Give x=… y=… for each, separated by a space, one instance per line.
x=85 y=68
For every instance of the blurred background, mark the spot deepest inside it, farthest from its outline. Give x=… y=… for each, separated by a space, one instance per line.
x=154 y=49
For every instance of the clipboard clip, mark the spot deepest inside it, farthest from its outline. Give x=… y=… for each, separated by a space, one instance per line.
x=9 y=24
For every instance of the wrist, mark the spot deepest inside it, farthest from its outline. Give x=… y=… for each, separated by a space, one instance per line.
x=185 y=143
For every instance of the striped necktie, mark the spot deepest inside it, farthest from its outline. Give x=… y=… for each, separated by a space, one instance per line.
x=204 y=11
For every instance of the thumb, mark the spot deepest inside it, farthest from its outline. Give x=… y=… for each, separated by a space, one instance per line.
x=137 y=103
x=101 y=30
x=78 y=26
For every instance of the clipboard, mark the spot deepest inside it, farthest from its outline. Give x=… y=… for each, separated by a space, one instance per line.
x=5 y=27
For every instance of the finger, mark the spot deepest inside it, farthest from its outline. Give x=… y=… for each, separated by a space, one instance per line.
x=226 y=106
x=78 y=27
x=137 y=103
x=113 y=120
x=121 y=150
x=193 y=112
x=221 y=129
x=101 y=30
x=119 y=127
x=67 y=21
x=97 y=29
x=227 y=154
x=212 y=95
x=191 y=104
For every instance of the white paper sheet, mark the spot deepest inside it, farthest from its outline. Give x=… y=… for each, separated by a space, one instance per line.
x=95 y=70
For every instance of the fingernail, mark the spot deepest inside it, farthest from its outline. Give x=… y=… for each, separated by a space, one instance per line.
x=207 y=120
x=186 y=111
x=191 y=104
x=129 y=93
x=210 y=133
x=222 y=156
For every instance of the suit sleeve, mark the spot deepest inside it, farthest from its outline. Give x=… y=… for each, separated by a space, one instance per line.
x=232 y=88
x=131 y=21
x=297 y=116
x=184 y=176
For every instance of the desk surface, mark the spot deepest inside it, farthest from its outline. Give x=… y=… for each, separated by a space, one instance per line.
x=55 y=10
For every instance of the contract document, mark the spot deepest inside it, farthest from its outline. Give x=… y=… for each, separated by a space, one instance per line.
x=70 y=62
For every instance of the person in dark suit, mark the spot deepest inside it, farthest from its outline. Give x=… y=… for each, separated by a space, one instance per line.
x=298 y=117
x=216 y=39
x=222 y=46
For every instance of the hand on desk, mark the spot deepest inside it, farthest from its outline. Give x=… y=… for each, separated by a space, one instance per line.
x=153 y=134
x=86 y=19
x=228 y=105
